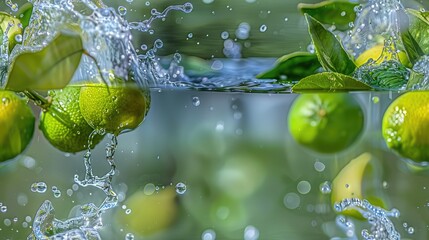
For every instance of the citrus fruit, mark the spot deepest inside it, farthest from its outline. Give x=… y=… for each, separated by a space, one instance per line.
x=150 y=213
x=406 y=124
x=17 y=125
x=356 y=180
x=375 y=53
x=326 y=122
x=115 y=108
x=12 y=25
x=63 y=124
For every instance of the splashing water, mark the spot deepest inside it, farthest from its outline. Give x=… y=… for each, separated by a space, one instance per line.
x=381 y=226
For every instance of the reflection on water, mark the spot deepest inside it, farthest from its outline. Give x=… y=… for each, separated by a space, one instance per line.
x=235 y=169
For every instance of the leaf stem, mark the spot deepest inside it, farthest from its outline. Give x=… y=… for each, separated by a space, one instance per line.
x=38 y=99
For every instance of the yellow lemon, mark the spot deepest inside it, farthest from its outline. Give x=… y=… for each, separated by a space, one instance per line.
x=115 y=108
x=326 y=122
x=350 y=183
x=375 y=53
x=63 y=124
x=406 y=125
x=17 y=125
x=150 y=213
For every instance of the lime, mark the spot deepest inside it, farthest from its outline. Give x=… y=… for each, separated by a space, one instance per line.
x=326 y=122
x=149 y=213
x=406 y=124
x=375 y=53
x=17 y=125
x=63 y=124
x=115 y=108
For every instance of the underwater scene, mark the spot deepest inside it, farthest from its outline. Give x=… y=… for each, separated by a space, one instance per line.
x=214 y=119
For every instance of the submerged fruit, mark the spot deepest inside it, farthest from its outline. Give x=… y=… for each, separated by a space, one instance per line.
x=375 y=53
x=406 y=126
x=17 y=125
x=326 y=122
x=12 y=26
x=113 y=109
x=149 y=213
x=63 y=124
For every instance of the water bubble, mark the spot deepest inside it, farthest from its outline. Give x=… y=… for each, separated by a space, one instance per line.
x=243 y=31
x=128 y=211
x=129 y=236
x=3 y=209
x=28 y=219
x=375 y=100
x=196 y=101
x=292 y=200
x=190 y=35
x=220 y=127
x=325 y=187
x=311 y=48
x=56 y=191
x=187 y=7
x=22 y=199
x=25 y=224
x=208 y=234
x=5 y=101
x=129 y=1
x=39 y=187
x=410 y=230
x=224 y=35
x=158 y=43
x=143 y=47
x=122 y=10
x=286 y=19
x=180 y=188
x=7 y=222
x=18 y=38
x=303 y=187
x=251 y=233
x=319 y=166
x=149 y=189
x=263 y=28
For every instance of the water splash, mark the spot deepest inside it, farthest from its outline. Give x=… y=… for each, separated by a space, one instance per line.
x=379 y=219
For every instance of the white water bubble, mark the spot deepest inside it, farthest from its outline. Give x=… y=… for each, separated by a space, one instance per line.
x=251 y=233
x=149 y=189
x=28 y=219
x=7 y=222
x=3 y=209
x=410 y=230
x=39 y=187
x=122 y=10
x=28 y=162
x=217 y=65
x=128 y=211
x=208 y=234
x=56 y=191
x=187 y=7
x=190 y=35
x=129 y=236
x=224 y=35
x=25 y=224
x=18 y=38
x=263 y=28
x=292 y=200
x=319 y=166
x=208 y=1
x=196 y=101
x=220 y=127
x=181 y=188
x=69 y=192
x=303 y=187
x=325 y=187
x=311 y=48
x=243 y=31
x=158 y=43
x=375 y=100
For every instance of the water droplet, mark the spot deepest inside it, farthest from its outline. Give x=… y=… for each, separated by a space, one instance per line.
x=303 y=187
x=325 y=187
x=410 y=230
x=18 y=38
x=190 y=35
x=149 y=189
x=208 y=234
x=129 y=236
x=319 y=166
x=158 y=43
x=224 y=35
x=251 y=233
x=292 y=200
x=3 y=209
x=56 y=191
x=375 y=100
x=180 y=188
x=39 y=187
x=263 y=28
x=5 y=101
x=196 y=101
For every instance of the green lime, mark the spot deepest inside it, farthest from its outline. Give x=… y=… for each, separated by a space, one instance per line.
x=63 y=124
x=149 y=213
x=406 y=124
x=13 y=27
x=326 y=122
x=17 y=125
x=115 y=108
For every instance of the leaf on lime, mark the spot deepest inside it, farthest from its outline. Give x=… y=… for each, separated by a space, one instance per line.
x=292 y=67
x=334 y=12
x=329 y=50
x=51 y=68
x=329 y=82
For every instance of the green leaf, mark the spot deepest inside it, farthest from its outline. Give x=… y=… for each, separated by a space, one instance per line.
x=195 y=66
x=412 y=48
x=24 y=14
x=333 y=12
x=415 y=80
x=419 y=29
x=329 y=50
x=51 y=68
x=294 y=67
x=329 y=81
